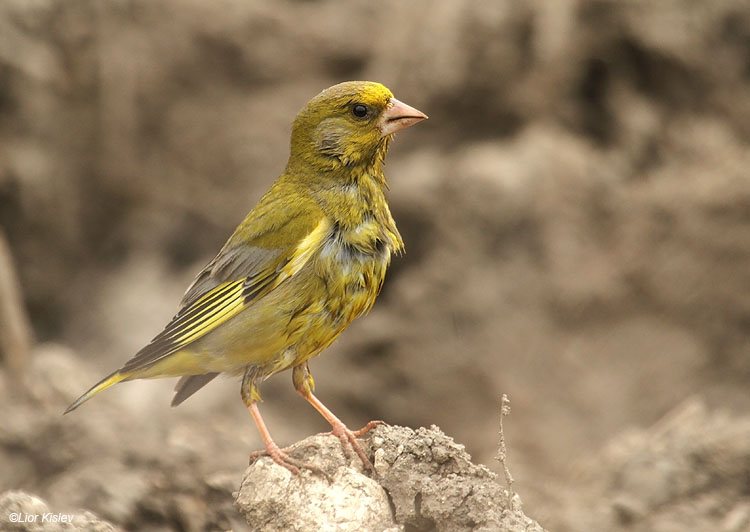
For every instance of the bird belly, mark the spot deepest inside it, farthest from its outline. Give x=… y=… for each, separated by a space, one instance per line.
x=295 y=322
x=302 y=316
x=352 y=279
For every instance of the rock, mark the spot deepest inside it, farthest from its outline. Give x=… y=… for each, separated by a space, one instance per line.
x=273 y=499
x=433 y=484
x=23 y=512
x=687 y=472
x=423 y=481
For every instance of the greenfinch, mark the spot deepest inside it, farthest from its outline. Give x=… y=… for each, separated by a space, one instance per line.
x=306 y=261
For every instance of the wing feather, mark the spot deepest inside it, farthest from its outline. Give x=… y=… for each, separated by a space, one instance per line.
x=228 y=286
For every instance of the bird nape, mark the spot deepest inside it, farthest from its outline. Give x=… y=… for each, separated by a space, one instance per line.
x=308 y=259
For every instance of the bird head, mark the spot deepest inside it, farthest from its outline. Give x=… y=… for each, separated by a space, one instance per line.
x=349 y=124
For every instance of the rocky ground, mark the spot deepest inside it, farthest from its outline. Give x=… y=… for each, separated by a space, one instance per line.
x=576 y=214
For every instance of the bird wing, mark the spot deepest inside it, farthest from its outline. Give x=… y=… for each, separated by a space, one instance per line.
x=270 y=246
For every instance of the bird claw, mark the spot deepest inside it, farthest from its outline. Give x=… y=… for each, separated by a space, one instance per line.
x=348 y=440
x=282 y=458
x=367 y=428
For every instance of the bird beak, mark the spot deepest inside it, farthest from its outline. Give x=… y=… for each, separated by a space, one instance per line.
x=398 y=116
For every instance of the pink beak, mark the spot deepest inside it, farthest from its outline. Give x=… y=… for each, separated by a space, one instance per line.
x=398 y=116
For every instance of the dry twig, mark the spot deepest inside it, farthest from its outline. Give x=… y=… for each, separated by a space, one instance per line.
x=502 y=453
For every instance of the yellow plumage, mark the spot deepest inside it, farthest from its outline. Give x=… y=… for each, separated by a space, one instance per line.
x=305 y=262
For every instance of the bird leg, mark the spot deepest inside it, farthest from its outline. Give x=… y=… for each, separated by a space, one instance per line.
x=304 y=384
x=251 y=396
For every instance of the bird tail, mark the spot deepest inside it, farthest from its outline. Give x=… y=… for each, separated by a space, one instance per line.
x=103 y=384
x=189 y=384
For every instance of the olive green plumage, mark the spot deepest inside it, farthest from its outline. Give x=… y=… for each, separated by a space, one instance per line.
x=307 y=260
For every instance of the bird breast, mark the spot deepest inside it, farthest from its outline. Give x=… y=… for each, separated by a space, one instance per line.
x=352 y=263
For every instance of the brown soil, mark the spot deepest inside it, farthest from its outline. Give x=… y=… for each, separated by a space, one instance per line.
x=576 y=215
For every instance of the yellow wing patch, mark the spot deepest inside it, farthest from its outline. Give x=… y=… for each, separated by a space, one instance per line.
x=218 y=311
x=192 y=322
x=305 y=249
x=224 y=302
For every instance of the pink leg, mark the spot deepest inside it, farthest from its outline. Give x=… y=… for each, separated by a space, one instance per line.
x=250 y=397
x=341 y=431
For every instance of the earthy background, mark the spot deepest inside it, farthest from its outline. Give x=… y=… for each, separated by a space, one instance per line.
x=576 y=214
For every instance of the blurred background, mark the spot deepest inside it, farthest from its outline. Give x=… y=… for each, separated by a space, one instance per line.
x=576 y=215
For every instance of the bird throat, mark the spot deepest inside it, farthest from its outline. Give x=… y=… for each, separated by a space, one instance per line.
x=359 y=211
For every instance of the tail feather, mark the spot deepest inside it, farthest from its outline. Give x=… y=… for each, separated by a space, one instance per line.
x=103 y=384
x=189 y=384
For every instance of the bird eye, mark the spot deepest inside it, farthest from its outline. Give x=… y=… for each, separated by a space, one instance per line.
x=360 y=110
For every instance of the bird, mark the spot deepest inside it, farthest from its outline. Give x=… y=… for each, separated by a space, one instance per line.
x=307 y=260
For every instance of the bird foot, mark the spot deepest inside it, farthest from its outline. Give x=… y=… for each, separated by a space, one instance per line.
x=367 y=428
x=348 y=440
x=282 y=458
